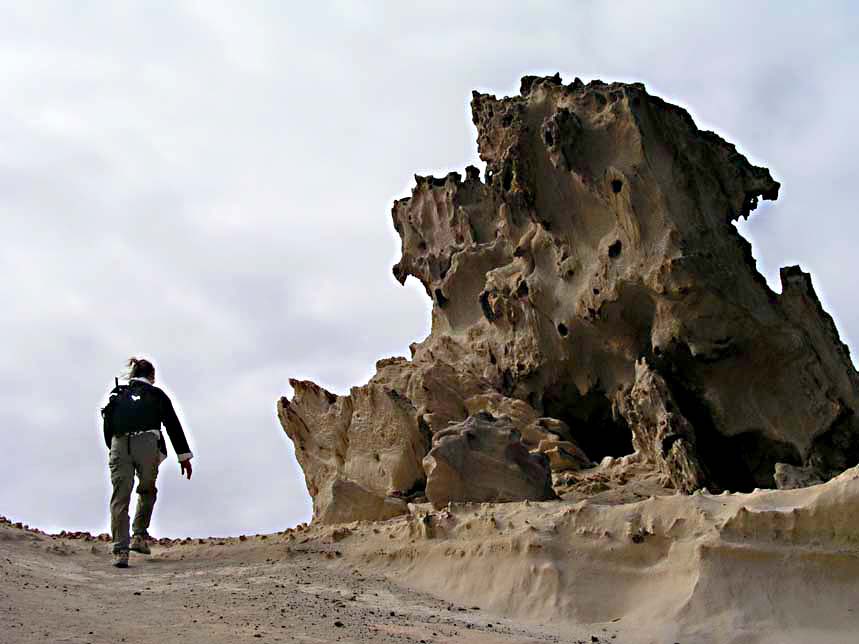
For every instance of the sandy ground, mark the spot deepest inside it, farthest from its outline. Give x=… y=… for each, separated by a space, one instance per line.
x=260 y=590
x=768 y=567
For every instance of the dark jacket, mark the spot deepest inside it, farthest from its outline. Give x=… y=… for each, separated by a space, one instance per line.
x=151 y=408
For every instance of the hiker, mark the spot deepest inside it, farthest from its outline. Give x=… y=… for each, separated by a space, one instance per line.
x=132 y=431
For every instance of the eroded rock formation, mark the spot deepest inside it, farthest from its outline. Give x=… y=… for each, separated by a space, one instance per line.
x=593 y=289
x=483 y=459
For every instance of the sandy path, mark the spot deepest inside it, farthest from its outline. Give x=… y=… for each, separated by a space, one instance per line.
x=259 y=590
x=767 y=567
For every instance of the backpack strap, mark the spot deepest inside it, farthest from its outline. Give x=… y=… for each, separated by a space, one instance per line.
x=106 y=411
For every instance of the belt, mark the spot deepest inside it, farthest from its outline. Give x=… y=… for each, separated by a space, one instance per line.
x=157 y=432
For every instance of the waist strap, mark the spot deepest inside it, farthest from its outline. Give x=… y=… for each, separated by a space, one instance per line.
x=157 y=432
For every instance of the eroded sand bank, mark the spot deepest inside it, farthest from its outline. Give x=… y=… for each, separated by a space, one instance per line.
x=767 y=567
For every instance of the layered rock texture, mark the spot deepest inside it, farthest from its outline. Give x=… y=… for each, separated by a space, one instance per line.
x=484 y=459
x=592 y=292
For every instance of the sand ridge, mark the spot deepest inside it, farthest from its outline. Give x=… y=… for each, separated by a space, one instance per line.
x=764 y=567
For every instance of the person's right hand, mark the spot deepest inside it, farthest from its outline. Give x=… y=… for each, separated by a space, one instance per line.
x=185 y=468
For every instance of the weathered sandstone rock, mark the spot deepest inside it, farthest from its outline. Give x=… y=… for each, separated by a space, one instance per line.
x=660 y=433
x=372 y=438
x=593 y=288
x=351 y=502
x=791 y=477
x=534 y=429
x=483 y=459
x=563 y=456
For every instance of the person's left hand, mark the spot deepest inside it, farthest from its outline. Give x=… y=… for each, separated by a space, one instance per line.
x=185 y=468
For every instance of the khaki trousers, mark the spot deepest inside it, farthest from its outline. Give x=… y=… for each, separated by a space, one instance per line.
x=130 y=454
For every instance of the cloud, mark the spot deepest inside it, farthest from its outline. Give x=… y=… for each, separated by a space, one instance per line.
x=211 y=184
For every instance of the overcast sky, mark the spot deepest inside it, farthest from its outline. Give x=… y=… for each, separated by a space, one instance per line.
x=209 y=184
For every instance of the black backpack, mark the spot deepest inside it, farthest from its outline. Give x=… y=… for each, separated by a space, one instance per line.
x=130 y=409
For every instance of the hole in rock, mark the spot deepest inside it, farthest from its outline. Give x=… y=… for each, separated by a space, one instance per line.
x=488 y=313
x=508 y=383
x=590 y=419
x=507 y=120
x=596 y=291
x=426 y=432
x=750 y=204
x=548 y=138
x=440 y=298
x=417 y=489
x=616 y=186
x=739 y=463
x=562 y=329
x=614 y=249
x=522 y=289
x=668 y=443
x=837 y=449
x=507 y=178
x=755 y=455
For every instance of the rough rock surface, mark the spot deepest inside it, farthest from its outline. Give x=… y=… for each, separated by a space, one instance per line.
x=371 y=440
x=660 y=433
x=790 y=477
x=351 y=502
x=563 y=455
x=483 y=459
x=594 y=277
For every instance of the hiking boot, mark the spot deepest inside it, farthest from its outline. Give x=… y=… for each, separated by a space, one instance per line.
x=120 y=559
x=138 y=544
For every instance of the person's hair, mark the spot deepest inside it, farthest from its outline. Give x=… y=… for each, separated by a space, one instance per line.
x=140 y=368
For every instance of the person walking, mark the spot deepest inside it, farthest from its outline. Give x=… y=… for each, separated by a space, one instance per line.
x=132 y=431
